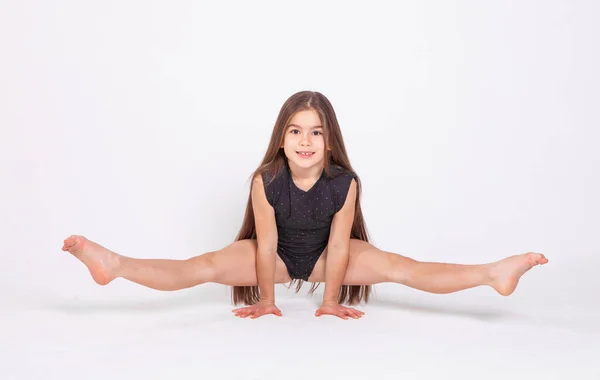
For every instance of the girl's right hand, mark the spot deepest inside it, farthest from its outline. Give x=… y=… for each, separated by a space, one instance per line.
x=258 y=309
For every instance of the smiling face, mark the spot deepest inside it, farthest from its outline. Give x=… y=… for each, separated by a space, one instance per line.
x=304 y=143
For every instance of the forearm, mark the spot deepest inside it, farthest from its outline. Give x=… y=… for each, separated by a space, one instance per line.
x=265 y=273
x=335 y=270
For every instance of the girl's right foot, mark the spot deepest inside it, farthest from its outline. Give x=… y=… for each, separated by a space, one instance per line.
x=101 y=262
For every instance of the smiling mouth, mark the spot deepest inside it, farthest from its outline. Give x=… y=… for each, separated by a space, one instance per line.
x=305 y=154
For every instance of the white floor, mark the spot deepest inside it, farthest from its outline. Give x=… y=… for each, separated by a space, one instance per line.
x=541 y=332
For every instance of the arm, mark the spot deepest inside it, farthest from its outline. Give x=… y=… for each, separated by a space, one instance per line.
x=266 y=237
x=338 y=247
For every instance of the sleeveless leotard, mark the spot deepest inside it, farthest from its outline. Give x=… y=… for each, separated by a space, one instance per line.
x=304 y=217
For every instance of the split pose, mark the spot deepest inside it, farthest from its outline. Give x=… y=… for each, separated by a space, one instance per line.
x=303 y=222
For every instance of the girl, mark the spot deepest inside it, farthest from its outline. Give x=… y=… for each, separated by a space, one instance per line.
x=303 y=222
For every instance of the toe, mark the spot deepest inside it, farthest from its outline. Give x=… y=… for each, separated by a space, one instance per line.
x=540 y=259
x=76 y=241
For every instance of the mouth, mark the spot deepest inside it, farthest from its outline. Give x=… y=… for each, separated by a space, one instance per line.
x=305 y=154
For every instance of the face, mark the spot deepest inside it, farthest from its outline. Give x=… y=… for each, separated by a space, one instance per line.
x=304 y=143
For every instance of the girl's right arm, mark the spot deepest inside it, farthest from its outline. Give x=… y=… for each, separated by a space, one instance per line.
x=266 y=238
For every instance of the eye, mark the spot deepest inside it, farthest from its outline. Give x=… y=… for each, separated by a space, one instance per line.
x=317 y=133
x=293 y=131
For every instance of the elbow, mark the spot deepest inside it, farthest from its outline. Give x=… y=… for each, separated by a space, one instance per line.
x=340 y=247
x=266 y=249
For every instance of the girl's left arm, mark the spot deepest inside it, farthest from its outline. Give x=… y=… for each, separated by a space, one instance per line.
x=338 y=247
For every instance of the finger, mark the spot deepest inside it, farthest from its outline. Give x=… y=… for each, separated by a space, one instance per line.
x=358 y=313
x=341 y=315
x=256 y=314
x=354 y=313
x=356 y=310
x=350 y=314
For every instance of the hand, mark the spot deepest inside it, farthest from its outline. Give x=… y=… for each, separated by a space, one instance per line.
x=334 y=308
x=258 y=309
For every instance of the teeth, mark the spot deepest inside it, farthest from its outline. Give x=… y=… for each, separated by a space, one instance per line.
x=305 y=153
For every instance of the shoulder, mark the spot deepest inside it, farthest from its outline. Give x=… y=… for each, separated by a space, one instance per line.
x=342 y=180
x=341 y=175
x=271 y=182
x=266 y=177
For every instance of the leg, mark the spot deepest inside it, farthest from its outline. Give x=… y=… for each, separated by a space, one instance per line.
x=368 y=265
x=232 y=265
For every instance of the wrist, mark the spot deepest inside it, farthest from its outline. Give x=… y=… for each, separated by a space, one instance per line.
x=266 y=300
x=330 y=297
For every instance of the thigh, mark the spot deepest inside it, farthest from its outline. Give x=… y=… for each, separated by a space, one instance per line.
x=235 y=265
x=367 y=265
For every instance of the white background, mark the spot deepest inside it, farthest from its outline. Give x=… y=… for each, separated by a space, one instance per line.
x=473 y=126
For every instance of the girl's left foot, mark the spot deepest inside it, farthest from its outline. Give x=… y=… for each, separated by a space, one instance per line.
x=505 y=274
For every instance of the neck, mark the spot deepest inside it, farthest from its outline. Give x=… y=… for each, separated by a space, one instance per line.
x=306 y=174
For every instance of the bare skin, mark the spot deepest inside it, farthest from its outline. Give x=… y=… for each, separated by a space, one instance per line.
x=234 y=265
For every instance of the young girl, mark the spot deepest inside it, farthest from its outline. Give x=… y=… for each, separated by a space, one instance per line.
x=303 y=222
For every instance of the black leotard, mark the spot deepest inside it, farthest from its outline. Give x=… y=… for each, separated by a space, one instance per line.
x=304 y=217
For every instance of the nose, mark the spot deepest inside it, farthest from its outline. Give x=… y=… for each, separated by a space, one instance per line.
x=305 y=140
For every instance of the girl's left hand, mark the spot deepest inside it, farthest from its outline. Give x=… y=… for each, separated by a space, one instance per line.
x=334 y=308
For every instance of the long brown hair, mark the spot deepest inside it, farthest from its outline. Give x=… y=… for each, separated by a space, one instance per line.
x=274 y=161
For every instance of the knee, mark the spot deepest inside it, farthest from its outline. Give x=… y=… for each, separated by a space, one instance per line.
x=203 y=267
x=400 y=268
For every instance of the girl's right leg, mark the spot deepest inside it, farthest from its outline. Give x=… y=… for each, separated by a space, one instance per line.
x=234 y=265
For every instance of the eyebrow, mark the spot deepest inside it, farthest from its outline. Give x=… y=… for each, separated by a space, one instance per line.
x=297 y=126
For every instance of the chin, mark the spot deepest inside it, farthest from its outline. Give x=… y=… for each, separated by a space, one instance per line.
x=307 y=163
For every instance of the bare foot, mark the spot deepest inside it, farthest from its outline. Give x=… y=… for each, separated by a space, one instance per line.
x=101 y=262
x=506 y=273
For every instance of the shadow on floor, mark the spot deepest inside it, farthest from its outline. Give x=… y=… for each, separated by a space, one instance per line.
x=188 y=299
x=483 y=313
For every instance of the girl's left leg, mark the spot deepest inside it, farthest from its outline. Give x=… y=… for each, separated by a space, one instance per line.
x=369 y=265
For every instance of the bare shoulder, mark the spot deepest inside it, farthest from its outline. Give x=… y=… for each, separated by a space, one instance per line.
x=259 y=196
x=257 y=180
x=352 y=193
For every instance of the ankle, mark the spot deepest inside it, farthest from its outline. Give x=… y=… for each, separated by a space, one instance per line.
x=117 y=263
x=488 y=274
